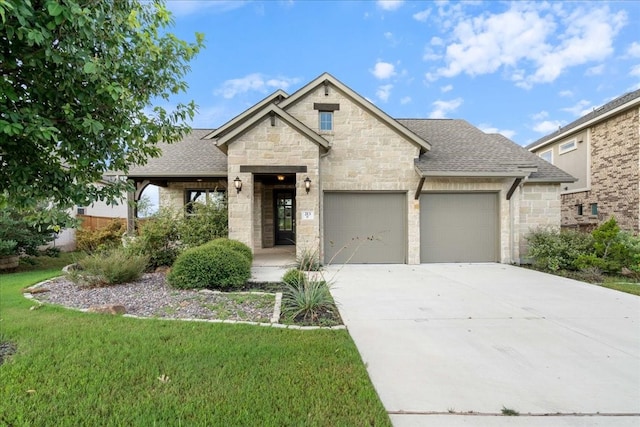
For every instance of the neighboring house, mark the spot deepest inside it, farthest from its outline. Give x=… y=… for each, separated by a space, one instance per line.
x=602 y=150
x=328 y=171
x=96 y=215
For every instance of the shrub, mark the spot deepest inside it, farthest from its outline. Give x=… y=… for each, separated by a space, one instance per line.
x=108 y=268
x=307 y=300
x=612 y=249
x=211 y=266
x=552 y=250
x=8 y=247
x=158 y=238
x=234 y=245
x=28 y=229
x=309 y=260
x=101 y=239
x=293 y=276
x=205 y=223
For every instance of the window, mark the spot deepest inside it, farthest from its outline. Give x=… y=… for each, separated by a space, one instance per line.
x=547 y=155
x=81 y=211
x=594 y=209
x=579 y=209
x=326 y=120
x=215 y=197
x=568 y=146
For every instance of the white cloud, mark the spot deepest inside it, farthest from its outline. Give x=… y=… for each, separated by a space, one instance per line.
x=422 y=16
x=530 y=42
x=443 y=107
x=436 y=41
x=405 y=100
x=383 y=70
x=540 y=116
x=210 y=117
x=390 y=4
x=635 y=71
x=579 y=109
x=634 y=50
x=253 y=82
x=430 y=55
x=486 y=128
x=566 y=93
x=384 y=92
x=189 y=7
x=595 y=71
x=447 y=88
x=547 y=126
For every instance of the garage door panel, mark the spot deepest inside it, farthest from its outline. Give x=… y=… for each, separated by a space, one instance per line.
x=362 y=228
x=458 y=227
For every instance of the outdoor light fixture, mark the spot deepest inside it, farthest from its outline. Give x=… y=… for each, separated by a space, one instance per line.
x=307 y=184
x=280 y=177
x=238 y=184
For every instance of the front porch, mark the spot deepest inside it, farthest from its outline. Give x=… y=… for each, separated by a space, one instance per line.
x=278 y=256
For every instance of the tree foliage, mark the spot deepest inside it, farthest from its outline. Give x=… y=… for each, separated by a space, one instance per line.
x=78 y=81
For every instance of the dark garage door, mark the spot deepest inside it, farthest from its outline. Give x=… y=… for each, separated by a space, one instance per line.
x=459 y=227
x=362 y=228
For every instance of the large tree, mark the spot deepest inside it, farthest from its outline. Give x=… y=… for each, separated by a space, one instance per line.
x=78 y=82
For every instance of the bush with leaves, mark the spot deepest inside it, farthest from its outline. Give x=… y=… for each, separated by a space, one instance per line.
x=612 y=249
x=101 y=239
x=293 y=276
x=210 y=266
x=108 y=268
x=307 y=301
x=554 y=250
x=205 y=223
x=158 y=238
x=234 y=245
x=23 y=231
x=309 y=260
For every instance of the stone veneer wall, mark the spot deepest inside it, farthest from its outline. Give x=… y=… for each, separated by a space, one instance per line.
x=615 y=177
x=365 y=155
x=539 y=207
x=268 y=145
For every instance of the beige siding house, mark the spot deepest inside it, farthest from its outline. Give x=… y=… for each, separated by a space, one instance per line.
x=325 y=170
x=602 y=150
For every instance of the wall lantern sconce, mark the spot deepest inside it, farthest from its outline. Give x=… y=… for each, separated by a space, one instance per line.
x=238 y=184
x=307 y=184
x=280 y=177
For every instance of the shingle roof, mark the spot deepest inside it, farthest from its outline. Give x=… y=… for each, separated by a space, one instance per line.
x=602 y=111
x=460 y=149
x=190 y=157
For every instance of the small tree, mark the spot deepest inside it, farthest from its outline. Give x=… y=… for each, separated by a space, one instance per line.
x=26 y=229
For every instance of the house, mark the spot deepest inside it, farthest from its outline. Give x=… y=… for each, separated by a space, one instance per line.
x=602 y=150
x=326 y=170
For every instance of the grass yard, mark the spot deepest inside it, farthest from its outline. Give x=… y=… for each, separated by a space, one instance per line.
x=73 y=368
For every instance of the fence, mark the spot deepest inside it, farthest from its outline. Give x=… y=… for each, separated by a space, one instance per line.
x=90 y=222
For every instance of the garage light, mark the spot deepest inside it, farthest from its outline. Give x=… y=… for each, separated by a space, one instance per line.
x=307 y=184
x=238 y=184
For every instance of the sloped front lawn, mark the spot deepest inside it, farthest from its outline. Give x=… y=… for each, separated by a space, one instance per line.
x=73 y=368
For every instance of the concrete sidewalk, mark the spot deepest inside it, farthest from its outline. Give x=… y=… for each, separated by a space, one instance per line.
x=441 y=340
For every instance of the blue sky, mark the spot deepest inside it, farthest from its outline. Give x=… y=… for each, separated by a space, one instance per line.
x=519 y=68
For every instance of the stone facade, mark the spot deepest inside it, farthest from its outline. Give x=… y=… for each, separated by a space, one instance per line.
x=173 y=195
x=540 y=207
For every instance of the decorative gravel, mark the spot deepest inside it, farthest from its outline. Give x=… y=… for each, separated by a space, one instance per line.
x=152 y=297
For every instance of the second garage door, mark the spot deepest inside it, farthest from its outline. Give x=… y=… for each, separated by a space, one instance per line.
x=459 y=227
x=362 y=228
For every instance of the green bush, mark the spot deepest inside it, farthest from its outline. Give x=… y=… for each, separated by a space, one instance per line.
x=108 y=268
x=293 y=276
x=158 y=238
x=309 y=260
x=612 y=250
x=553 y=250
x=203 y=224
x=28 y=229
x=210 y=266
x=8 y=247
x=101 y=239
x=234 y=245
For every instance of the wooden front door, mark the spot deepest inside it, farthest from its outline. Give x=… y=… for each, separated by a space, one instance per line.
x=285 y=210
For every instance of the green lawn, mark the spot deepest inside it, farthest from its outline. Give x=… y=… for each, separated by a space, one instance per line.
x=73 y=368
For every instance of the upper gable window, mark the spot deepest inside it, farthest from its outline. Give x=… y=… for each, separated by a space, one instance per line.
x=547 y=155
x=568 y=146
x=326 y=120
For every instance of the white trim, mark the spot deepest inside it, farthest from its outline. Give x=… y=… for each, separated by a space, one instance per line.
x=572 y=145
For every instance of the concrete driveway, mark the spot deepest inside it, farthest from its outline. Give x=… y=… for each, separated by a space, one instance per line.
x=441 y=340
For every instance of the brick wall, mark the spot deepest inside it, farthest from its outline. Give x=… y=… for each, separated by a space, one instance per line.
x=615 y=157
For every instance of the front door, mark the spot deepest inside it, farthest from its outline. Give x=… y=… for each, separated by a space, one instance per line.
x=285 y=217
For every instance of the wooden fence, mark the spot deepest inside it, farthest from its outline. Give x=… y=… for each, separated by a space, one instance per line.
x=90 y=222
